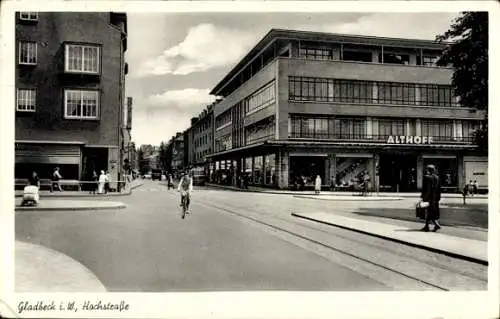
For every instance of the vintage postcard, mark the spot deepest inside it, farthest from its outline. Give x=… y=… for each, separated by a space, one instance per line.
x=240 y=159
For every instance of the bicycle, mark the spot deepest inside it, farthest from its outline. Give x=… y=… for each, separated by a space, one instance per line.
x=184 y=199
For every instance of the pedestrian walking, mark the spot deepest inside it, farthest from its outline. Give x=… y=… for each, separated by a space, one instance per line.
x=475 y=187
x=317 y=185
x=56 y=180
x=94 y=183
x=106 y=184
x=431 y=194
x=170 y=182
x=102 y=182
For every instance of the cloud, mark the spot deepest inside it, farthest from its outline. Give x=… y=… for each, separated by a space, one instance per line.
x=157 y=117
x=185 y=101
x=396 y=24
x=205 y=47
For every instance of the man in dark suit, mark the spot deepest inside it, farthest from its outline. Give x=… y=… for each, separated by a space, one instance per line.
x=431 y=193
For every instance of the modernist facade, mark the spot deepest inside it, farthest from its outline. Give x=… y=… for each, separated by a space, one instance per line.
x=199 y=141
x=70 y=83
x=302 y=104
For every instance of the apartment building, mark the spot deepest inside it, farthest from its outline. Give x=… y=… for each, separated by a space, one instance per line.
x=176 y=154
x=302 y=104
x=198 y=140
x=70 y=84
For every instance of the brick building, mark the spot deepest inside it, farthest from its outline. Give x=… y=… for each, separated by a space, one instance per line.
x=302 y=104
x=70 y=83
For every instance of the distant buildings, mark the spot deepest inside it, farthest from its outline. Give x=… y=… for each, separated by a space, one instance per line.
x=175 y=156
x=198 y=139
x=70 y=83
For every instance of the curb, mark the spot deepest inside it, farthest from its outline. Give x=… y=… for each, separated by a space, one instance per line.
x=33 y=208
x=85 y=195
x=434 y=250
x=271 y=191
x=353 y=198
x=75 y=265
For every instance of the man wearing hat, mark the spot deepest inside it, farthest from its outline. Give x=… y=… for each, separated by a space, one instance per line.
x=431 y=193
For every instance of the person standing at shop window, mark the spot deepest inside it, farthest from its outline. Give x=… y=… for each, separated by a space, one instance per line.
x=431 y=194
x=317 y=185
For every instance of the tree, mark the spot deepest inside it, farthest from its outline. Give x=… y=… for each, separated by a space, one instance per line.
x=142 y=161
x=469 y=57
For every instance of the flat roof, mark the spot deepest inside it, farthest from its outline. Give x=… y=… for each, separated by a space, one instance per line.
x=275 y=34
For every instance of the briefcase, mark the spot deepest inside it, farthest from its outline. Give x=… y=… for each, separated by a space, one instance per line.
x=421 y=209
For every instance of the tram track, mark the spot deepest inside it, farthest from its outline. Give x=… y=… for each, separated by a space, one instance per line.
x=400 y=263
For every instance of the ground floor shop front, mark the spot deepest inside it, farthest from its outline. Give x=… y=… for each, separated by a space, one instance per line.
x=75 y=161
x=385 y=169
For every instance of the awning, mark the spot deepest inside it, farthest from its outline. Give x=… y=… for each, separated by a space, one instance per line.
x=48 y=153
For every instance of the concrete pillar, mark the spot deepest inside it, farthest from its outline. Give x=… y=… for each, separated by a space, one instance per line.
x=326 y=180
x=113 y=166
x=376 y=178
x=375 y=56
x=283 y=168
x=420 y=171
x=460 y=172
x=331 y=167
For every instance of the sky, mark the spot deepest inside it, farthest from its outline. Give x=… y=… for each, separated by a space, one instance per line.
x=175 y=59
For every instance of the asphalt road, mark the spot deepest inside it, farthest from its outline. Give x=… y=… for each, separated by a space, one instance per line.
x=235 y=241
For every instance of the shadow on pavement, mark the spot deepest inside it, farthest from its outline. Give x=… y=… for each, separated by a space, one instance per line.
x=450 y=216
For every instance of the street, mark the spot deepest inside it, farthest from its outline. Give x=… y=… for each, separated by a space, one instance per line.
x=235 y=241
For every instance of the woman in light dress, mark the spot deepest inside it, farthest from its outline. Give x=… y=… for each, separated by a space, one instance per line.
x=102 y=181
x=317 y=184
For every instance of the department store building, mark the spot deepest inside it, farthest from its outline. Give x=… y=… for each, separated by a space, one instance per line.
x=302 y=104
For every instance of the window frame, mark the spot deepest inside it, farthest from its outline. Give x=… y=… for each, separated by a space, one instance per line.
x=29 y=18
x=67 y=46
x=21 y=42
x=81 y=117
x=17 y=100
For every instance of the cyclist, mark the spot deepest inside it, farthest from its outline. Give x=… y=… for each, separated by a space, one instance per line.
x=185 y=188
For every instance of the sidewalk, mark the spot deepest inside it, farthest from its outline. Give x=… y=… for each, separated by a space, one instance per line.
x=40 y=269
x=128 y=190
x=69 y=204
x=457 y=247
x=330 y=193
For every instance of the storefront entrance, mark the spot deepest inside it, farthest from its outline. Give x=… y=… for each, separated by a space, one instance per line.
x=398 y=173
x=306 y=168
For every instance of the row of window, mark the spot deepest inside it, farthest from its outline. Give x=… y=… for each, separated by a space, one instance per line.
x=354 y=91
x=78 y=58
x=322 y=53
x=201 y=140
x=259 y=132
x=260 y=99
x=357 y=128
x=223 y=120
x=78 y=104
x=223 y=143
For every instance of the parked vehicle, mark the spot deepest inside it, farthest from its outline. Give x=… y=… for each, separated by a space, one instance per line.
x=156 y=174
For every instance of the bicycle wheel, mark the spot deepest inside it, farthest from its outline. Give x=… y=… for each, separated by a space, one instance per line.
x=183 y=207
